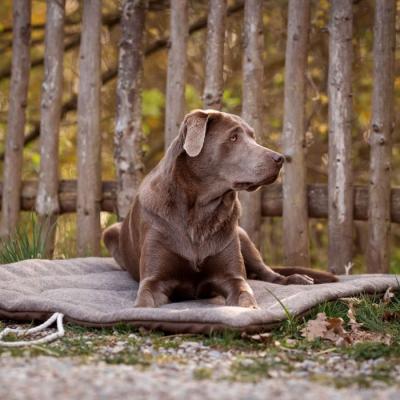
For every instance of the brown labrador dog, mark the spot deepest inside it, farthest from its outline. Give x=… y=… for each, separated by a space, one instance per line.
x=181 y=238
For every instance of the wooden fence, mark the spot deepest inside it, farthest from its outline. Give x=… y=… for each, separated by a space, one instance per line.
x=341 y=202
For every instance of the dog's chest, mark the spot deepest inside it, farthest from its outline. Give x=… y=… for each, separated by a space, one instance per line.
x=197 y=233
x=195 y=244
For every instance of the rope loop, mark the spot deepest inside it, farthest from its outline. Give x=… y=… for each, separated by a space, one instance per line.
x=26 y=332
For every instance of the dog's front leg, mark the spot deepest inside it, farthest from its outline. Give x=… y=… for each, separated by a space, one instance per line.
x=257 y=269
x=157 y=270
x=227 y=275
x=152 y=293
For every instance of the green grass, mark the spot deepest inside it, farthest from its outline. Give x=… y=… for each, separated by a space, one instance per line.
x=202 y=373
x=252 y=360
x=373 y=351
x=228 y=340
x=290 y=326
x=332 y=309
x=377 y=316
x=27 y=242
x=251 y=370
x=360 y=380
x=371 y=311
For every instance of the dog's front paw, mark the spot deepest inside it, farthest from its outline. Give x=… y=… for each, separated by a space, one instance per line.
x=150 y=296
x=298 y=279
x=145 y=301
x=247 y=300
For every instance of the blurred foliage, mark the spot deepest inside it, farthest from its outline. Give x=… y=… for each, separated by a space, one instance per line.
x=274 y=19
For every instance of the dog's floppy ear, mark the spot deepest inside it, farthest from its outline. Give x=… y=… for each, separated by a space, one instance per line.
x=194 y=127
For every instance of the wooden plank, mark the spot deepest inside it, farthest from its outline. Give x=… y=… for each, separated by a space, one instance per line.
x=252 y=107
x=176 y=72
x=129 y=138
x=47 y=205
x=378 y=253
x=17 y=103
x=340 y=114
x=295 y=219
x=89 y=135
x=214 y=80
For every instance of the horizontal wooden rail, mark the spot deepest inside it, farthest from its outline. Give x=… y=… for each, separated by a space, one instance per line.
x=318 y=202
x=271 y=199
x=67 y=195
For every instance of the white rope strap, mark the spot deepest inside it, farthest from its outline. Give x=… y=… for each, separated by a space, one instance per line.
x=24 y=332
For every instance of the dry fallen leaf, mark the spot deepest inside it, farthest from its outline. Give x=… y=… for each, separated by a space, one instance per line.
x=336 y=325
x=391 y=316
x=315 y=328
x=352 y=318
x=331 y=329
x=336 y=332
x=387 y=297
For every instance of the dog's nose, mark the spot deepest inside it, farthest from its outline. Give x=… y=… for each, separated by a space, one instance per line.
x=278 y=158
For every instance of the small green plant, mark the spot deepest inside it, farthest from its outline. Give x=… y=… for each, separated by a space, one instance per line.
x=27 y=242
x=290 y=326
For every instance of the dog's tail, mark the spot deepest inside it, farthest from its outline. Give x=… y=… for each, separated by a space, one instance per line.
x=111 y=240
x=318 y=275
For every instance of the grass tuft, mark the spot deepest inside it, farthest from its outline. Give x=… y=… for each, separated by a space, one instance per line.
x=290 y=327
x=372 y=351
x=27 y=242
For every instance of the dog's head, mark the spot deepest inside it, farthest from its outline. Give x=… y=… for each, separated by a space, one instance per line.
x=223 y=146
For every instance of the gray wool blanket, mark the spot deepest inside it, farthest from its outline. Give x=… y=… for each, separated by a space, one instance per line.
x=96 y=292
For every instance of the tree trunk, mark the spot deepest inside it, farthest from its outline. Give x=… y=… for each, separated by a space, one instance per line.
x=176 y=74
x=295 y=216
x=340 y=114
x=214 y=80
x=252 y=110
x=129 y=138
x=47 y=204
x=16 y=116
x=378 y=254
x=89 y=136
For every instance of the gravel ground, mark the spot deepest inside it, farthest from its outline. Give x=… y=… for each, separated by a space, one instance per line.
x=50 y=378
x=119 y=364
x=131 y=365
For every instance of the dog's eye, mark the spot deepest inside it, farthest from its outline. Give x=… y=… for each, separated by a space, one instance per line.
x=233 y=137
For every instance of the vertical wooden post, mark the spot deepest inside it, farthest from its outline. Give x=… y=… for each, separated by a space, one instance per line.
x=295 y=214
x=213 y=88
x=89 y=136
x=16 y=116
x=176 y=74
x=252 y=111
x=378 y=253
x=340 y=208
x=47 y=204
x=128 y=133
